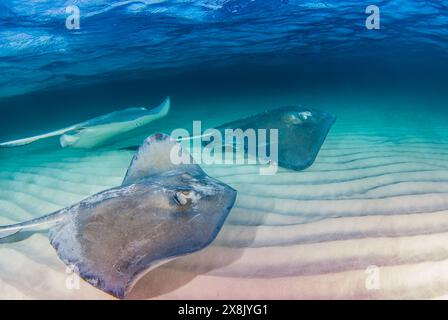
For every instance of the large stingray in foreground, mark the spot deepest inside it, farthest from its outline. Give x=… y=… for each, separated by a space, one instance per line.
x=301 y=133
x=160 y=212
x=99 y=130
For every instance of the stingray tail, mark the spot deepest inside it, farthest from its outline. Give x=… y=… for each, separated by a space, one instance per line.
x=38 y=223
x=25 y=141
x=8 y=231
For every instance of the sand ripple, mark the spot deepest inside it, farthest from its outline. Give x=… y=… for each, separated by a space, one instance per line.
x=368 y=200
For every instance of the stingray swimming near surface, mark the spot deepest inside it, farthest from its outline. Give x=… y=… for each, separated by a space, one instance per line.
x=160 y=212
x=301 y=133
x=98 y=131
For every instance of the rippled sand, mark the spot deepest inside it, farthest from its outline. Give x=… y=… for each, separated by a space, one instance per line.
x=369 y=199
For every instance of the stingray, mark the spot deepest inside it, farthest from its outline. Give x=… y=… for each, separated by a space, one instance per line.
x=100 y=130
x=160 y=212
x=301 y=133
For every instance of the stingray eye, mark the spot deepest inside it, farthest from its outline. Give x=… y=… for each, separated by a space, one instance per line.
x=186 y=176
x=304 y=115
x=291 y=118
x=185 y=196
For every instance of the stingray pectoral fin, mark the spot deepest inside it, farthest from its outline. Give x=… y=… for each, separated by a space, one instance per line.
x=163 y=109
x=159 y=153
x=99 y=255
x=107 y=247
x=25 y=141
x=136 y=277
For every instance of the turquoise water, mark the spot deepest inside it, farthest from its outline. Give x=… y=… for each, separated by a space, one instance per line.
x=376 y=194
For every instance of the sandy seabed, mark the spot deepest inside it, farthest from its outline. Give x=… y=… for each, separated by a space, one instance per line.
x=370 y=199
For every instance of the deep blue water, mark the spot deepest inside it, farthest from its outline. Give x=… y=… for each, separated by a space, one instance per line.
x=37 y=51
x=133 y=53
